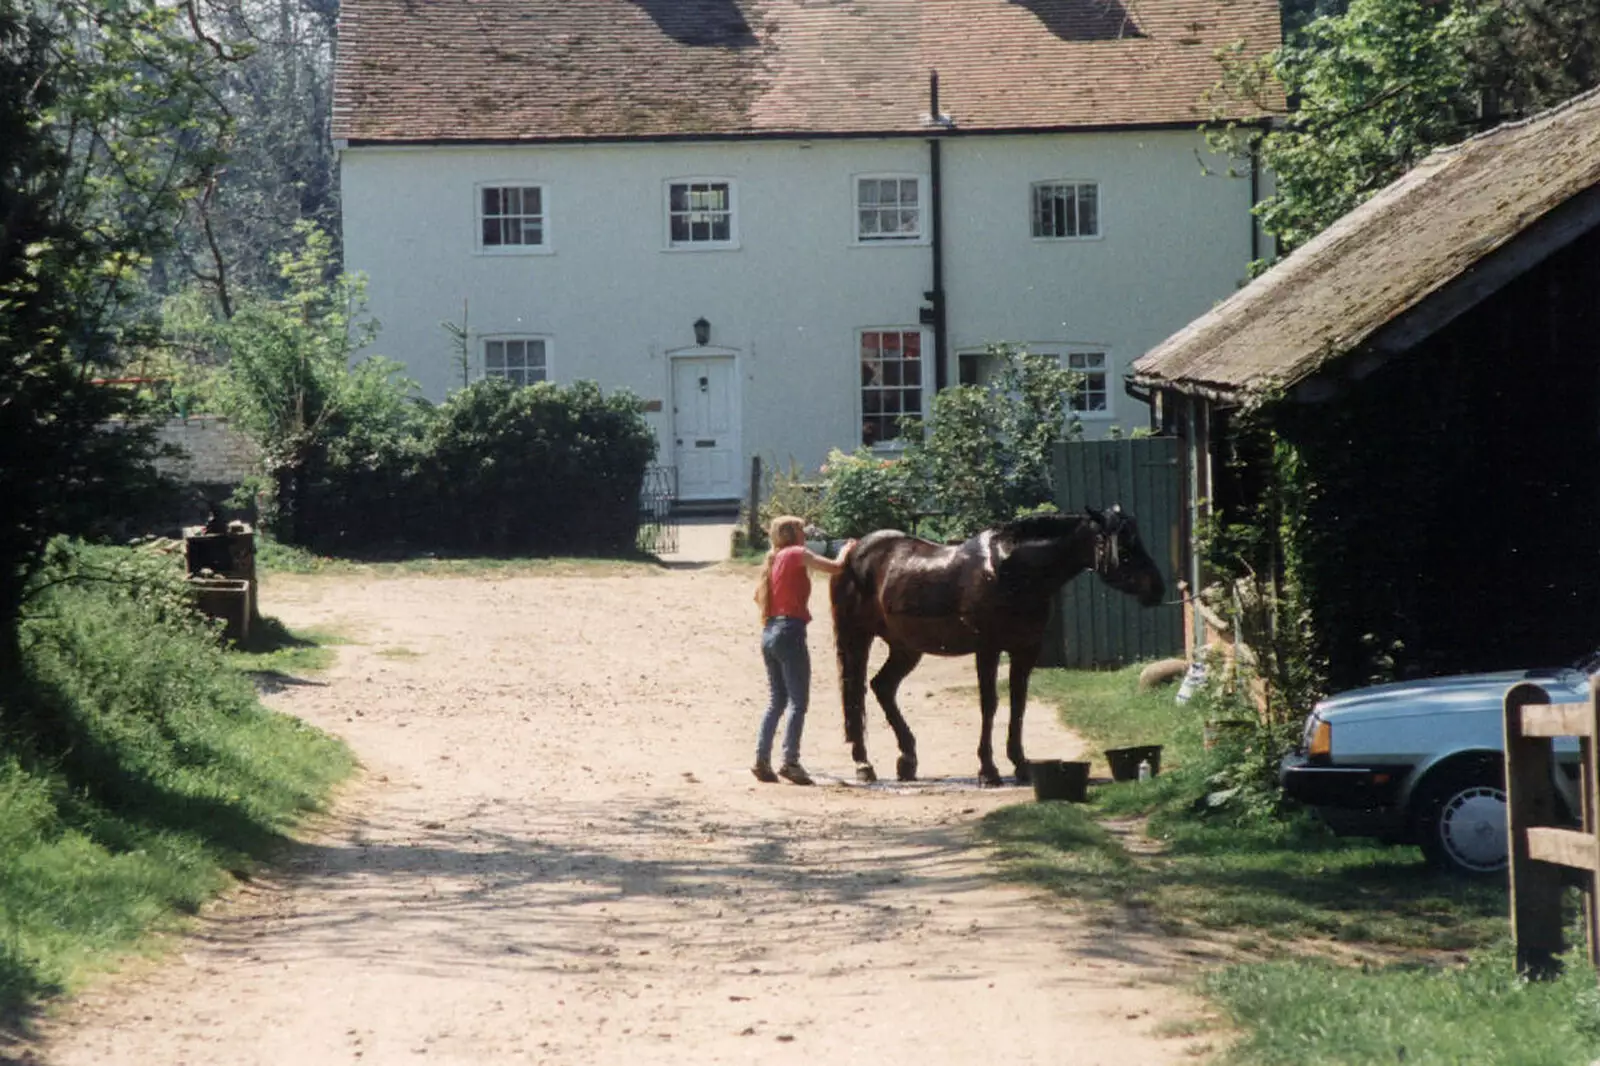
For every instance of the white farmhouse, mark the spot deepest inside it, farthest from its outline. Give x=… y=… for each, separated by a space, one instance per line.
x=786 y=222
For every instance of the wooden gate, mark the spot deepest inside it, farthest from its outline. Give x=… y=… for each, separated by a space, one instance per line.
x=1542 y=849
x=1095 y=626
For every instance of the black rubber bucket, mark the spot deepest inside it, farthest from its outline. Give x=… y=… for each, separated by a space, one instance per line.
x=1055 y=779
x=1125 y=761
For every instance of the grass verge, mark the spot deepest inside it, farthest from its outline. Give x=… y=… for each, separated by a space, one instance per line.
x=274 y=557
x=1361 y=950
x=1264 y=876
x=139 y=774
x=1478 y=1013
x=274 y=650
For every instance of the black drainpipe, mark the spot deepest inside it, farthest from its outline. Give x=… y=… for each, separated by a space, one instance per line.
x=933 y=314
x=1255 y=199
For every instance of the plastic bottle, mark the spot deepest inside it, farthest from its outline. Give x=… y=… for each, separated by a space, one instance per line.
x=1193 y=679
x=1144 y=770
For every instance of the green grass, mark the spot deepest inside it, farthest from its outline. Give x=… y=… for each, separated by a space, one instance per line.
x=273 y=649
x=1266 y=887
x=274 y=557
x=1104 y=707
x=1362 y=949
x=1479 y=1014
x=1277 y=878
x=139 y=775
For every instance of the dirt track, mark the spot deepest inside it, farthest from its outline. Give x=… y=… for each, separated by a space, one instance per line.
x=556 y=854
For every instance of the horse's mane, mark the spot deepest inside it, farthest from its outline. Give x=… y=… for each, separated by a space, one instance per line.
x=1041 y=527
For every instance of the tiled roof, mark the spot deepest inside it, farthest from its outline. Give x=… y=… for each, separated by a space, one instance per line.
x=508 y=70
x=1386 y=257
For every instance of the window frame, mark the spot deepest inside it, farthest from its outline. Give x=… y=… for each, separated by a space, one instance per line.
x=922 y=235
x=1063 y=354
x=487 y=339
x=670 y=245
x=924 y=388
x=544 y=247
x=1076 y=183
x=1106 y=414
x=977 y=358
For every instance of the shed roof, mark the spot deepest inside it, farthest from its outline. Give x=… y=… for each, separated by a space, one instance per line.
x=432 y=71
x=1426 y=239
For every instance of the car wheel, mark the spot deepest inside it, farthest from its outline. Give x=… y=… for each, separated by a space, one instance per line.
x=1461 y=820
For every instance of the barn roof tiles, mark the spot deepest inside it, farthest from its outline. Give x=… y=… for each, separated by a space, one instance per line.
x=431 y=71
x=1432 y=230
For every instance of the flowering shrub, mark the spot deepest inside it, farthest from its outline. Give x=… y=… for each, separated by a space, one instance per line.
x=985 y=454
x=864 y=492
x=962 y=460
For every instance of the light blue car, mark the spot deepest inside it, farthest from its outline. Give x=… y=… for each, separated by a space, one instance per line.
x=1423 y=762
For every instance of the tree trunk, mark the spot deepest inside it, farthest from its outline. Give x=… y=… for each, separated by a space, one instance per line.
x=10 y=651
x=290 y=481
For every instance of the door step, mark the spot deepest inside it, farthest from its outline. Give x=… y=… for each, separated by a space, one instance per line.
x=728 y=508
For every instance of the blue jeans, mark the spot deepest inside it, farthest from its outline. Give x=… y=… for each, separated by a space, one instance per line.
x=783 y=648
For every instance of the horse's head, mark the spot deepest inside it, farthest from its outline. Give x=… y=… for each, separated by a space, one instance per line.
x=1121 y=560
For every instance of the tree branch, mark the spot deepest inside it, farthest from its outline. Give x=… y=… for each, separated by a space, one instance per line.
x=221 y=280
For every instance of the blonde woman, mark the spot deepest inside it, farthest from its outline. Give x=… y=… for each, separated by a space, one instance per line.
x=783 y=594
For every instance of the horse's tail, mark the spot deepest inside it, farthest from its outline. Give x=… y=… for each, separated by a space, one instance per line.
x=848 y=592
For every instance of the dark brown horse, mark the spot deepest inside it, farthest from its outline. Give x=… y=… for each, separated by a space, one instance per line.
x=988 y=595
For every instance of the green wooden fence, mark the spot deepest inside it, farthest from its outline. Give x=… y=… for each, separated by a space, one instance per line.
x=1095 y=626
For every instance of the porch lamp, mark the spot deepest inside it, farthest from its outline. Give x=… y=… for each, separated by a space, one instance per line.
x=702 y=331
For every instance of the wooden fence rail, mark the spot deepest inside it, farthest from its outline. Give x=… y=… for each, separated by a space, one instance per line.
x=1541 y=849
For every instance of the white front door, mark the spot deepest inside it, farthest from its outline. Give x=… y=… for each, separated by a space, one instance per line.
x=705 y=427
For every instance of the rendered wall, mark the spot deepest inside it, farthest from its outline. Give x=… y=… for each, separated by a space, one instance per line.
x=615 y=303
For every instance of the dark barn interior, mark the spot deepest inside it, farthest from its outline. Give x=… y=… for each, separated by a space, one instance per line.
x=1456 y=507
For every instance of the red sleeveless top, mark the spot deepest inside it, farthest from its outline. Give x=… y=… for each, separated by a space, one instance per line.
x=790 y=584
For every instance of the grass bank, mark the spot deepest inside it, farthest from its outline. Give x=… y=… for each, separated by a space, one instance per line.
x=139 y=773
x=1363 y=953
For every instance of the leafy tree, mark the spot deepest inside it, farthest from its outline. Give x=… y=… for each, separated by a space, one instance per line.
x=107 y=127
x=278 y=167
x=1296 y=13
x=1378 y=88
x=957 y=464
x=289 y=377
x=1534 y=53
x=1375 y=88
x=986 y=453
x=862 y=492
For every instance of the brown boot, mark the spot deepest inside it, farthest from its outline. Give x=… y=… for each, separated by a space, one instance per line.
x=795 y=774
x=763 y=771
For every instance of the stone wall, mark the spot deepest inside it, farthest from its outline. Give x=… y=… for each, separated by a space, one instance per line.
x=215 y=453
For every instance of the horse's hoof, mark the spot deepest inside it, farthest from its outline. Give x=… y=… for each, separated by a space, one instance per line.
x=989 y=779
x=906 y=768
x=866 y=774
x=1023 y=776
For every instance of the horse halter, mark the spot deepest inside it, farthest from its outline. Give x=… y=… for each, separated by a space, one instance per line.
x=1107 y=544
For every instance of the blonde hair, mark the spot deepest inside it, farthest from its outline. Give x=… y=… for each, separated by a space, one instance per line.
x=784 y=531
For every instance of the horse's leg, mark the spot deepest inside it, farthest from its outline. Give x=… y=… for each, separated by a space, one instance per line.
x=988 y=698
x=854 y=649
x=1022 y=663
x=884 y=685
